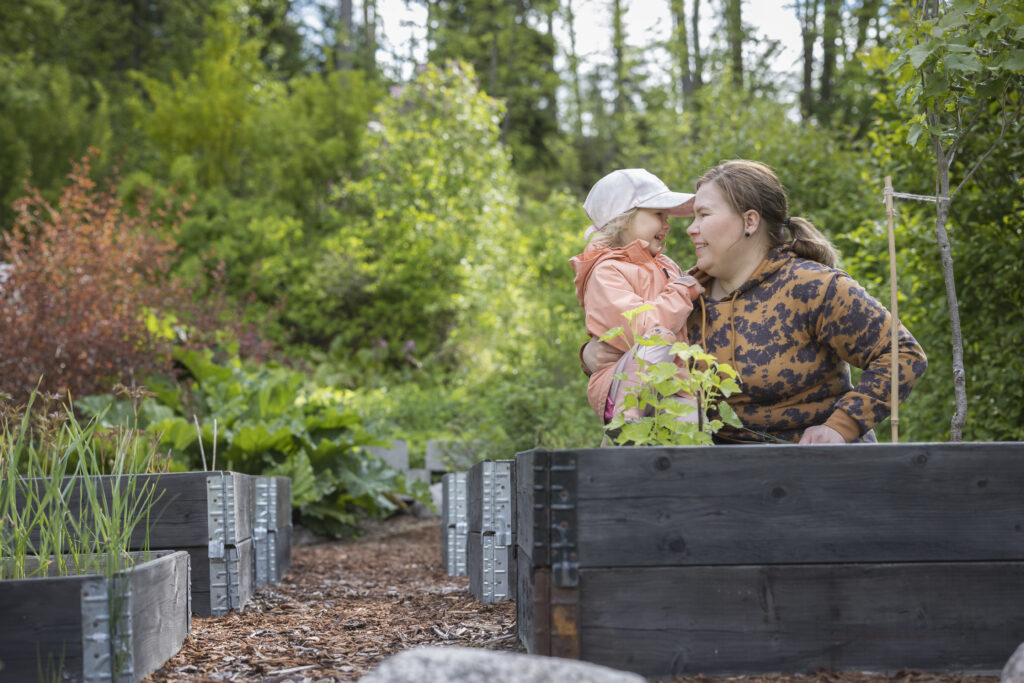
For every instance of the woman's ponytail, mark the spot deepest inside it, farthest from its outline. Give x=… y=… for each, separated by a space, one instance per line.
x=809 y=243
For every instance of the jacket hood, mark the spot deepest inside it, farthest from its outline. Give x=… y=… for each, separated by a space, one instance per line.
x=595 y=253
x=776 y=258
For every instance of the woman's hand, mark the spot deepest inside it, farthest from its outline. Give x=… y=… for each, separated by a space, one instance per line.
x=598 y=355
x=821 y=434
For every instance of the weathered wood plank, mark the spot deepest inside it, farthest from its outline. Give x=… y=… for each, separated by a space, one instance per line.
x=160 y=612
x=663 y=621
x=766 y=504
x=532 y=513
x=180 y=513
x=283 y=517
x=46 y=622
x=28 y=642
x=533 y=604
x=283 y=548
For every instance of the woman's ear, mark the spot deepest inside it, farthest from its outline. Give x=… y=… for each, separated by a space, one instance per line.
x=751 y=222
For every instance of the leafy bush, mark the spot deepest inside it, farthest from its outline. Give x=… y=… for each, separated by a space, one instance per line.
x=268 y=419
x=80 y=280
x=87 y=298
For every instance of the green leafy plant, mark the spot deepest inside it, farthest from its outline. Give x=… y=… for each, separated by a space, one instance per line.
x=265 y=418
x=708 y=381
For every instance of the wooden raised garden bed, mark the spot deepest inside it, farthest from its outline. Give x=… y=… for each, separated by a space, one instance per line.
x=454 y=525
x=272 y=527
x=208 y=514
x=90 y=628
x=490 y=543
x=751 y=559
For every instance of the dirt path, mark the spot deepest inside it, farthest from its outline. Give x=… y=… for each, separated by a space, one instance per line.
x=345 y=606
x=340 y=609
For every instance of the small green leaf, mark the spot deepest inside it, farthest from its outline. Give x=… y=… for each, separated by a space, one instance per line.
x=916 y=129
x=919 y=53
x=729 y=415
x=612 y=333
x=629 y=315
x=968 y=64
x=1012 y=60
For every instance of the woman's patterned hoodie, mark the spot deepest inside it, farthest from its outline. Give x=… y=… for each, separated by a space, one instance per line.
x=610 y=281
x=790 y=331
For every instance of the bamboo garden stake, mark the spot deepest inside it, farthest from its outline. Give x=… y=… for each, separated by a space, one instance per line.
x=894 y=396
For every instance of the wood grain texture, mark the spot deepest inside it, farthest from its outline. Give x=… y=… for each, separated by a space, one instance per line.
x=284 y=502
x=531 y=508
x=779 y=504
x=663 y=621
x=283 y=547
x=159 y=608
x=41 y=622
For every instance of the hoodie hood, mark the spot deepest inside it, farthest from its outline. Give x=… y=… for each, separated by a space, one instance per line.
x=772 y=263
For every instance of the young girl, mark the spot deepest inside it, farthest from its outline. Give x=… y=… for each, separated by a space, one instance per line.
x=623 y=268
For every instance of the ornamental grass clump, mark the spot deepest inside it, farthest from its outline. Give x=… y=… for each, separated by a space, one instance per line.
x=56 y=516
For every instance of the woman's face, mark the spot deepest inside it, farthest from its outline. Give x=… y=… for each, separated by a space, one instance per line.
x=716 y=229
x=650 y=225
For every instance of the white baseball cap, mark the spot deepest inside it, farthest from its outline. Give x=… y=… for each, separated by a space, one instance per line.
x=633 y=188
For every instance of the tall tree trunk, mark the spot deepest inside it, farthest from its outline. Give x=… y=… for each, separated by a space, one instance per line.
x=956 y=425
x=734 y=36
x=830 y=35
x=370 y=28
x=682 y=50
x=574 y=70
x=698 y=58
x=866 y=13
x=943 y=161
x=343 y=36
x=807 y=13
x=619 y=52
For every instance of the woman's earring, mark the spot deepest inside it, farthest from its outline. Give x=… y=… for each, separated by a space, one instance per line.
x=746 y=234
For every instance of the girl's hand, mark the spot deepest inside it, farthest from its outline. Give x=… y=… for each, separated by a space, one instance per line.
x=821 y=434
x=598 y=355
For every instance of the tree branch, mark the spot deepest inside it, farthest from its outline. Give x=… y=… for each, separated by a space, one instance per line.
x=1007 y=122
x=953 y=147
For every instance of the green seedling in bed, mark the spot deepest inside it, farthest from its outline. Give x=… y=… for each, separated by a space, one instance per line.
x=46 y=473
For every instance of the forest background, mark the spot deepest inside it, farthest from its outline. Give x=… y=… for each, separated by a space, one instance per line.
x=300 y=244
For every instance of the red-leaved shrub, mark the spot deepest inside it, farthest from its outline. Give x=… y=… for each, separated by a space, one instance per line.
x=78 y=282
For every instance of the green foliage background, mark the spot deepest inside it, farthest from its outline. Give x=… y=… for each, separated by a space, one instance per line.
x=407 y=238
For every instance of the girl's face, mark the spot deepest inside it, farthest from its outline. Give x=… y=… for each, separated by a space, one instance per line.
x=716 y=229
x=650 y=225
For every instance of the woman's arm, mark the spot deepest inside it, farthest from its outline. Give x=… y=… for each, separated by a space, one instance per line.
x=858 y=328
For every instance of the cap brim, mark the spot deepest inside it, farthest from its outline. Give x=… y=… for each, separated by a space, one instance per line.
x=677 y=203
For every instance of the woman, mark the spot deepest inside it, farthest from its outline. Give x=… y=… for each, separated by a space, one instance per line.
x=777 y=310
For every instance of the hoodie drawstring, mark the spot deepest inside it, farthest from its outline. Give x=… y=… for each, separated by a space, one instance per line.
x=732 y=327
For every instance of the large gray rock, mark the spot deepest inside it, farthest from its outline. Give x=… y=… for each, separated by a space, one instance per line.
x=471 y=665
x=1013 y=672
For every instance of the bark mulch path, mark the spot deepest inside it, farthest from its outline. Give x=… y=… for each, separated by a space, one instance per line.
x=344 y=606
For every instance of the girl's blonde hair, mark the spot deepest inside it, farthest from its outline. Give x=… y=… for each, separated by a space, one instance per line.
x=751 y=185
x=613 y=234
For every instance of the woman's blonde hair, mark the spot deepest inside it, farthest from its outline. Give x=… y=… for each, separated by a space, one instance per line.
x=751 y=185
x=613 y=234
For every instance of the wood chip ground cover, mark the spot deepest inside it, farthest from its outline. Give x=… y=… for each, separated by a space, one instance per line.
x=343 y=607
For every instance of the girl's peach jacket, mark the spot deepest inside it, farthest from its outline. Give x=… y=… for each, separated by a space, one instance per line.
x=612 y=280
